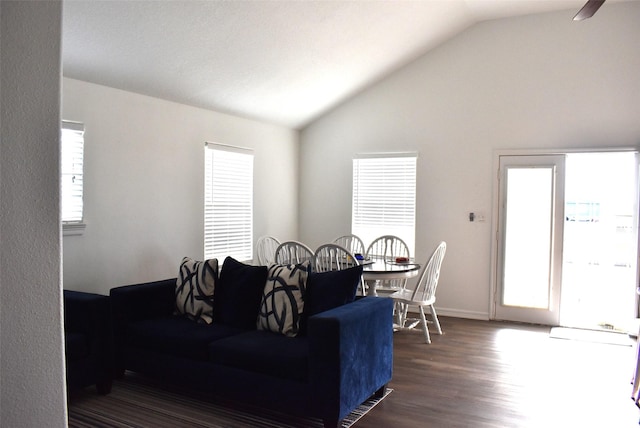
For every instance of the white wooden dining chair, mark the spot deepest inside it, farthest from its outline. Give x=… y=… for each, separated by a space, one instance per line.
x=330 y=257
x=424 y=295
x=352 y=243
x=388 y=248
x=293 y=252
x=266 y=250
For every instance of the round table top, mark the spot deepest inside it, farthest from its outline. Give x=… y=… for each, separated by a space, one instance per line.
x=389 y=267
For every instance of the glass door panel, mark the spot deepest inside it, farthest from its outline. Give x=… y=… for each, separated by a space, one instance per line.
x=528 y=244
x=600 y=241
x=530 y=238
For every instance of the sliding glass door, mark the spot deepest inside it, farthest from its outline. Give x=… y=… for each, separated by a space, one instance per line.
x=567 y=239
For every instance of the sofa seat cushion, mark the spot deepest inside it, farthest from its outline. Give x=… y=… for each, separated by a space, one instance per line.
x=177 y=336
x=264 y=352
x=76 y=346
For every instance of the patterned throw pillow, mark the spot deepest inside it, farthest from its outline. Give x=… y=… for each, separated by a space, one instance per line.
x=283 y=299
x=194 y=289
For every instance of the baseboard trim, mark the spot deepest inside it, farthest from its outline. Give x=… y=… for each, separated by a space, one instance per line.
x=455 y=313
x=459 y=313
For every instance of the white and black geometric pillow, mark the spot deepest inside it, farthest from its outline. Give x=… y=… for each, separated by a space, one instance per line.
x=195 y=285
x=283 y=299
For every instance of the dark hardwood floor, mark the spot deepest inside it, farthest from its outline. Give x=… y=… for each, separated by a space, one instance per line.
x=495 y=374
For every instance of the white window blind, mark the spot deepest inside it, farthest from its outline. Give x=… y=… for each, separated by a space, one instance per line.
x=228 y=210
x=72 y=172
x=384 y=197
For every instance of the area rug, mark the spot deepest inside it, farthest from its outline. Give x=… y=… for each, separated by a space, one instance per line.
x=594 y=336
x=136 y=401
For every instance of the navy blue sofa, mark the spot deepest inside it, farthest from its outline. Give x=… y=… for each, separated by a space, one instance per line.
x=345 y=357
x=88 y=340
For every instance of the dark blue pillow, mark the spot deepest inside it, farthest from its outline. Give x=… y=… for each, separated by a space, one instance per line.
x=238 y=293
x=328 y=290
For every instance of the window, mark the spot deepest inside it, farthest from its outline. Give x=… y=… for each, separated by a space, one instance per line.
x=228 y=202
x=72 y=177
x=384 y=197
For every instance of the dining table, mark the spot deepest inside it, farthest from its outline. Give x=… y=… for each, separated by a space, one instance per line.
x=375 y=270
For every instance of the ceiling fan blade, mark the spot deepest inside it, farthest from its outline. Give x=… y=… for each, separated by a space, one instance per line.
x=588 y=10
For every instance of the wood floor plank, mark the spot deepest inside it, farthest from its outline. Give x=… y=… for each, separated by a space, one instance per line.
x=495 y=374
x=479 y=374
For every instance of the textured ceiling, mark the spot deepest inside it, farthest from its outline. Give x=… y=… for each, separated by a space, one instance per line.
x=282 y=62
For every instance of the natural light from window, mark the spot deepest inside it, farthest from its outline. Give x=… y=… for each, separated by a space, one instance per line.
x=228 y=211
x=384 y=197
x=72 y=172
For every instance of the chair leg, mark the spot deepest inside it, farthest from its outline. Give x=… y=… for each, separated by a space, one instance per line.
x=425 y=329
x=402 y=314
x=405 y=312
x=397 y=308
x=435 y=319
x=400 y=310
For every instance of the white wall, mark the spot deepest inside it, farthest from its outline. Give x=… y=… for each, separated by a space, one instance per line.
x=144 y=183
x=32 y=387
x=534 y=82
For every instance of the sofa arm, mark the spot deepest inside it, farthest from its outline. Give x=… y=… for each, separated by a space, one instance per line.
x=86 y=313
x=138 y=302
x=143 y=301
x=88 y=340
x=350 y=355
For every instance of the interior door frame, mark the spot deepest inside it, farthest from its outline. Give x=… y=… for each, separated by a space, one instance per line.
x=549 y=314
x=495 y=209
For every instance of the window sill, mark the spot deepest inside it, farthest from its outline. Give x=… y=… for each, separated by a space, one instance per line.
x=73 y=229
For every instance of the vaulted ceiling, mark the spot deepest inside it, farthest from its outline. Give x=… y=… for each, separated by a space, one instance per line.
x=282 y=62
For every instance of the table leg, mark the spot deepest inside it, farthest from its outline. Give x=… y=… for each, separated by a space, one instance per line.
x=372 y=288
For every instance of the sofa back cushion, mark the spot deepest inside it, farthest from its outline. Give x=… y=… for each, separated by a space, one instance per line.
x=328 y=290
x=238 y=294
x=195 y=288
x=282 y=301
